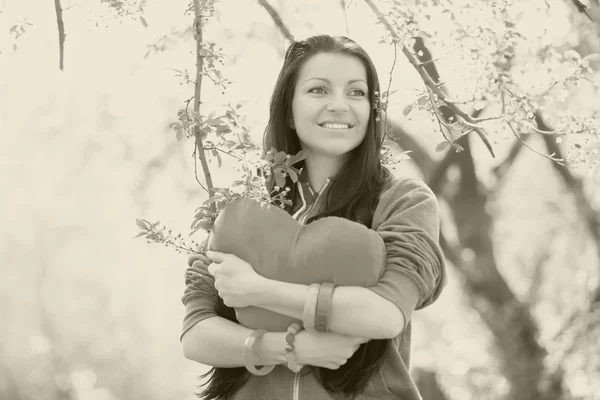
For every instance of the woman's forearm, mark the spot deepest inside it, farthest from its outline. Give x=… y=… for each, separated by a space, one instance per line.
x=355 y=311
x=219 y=342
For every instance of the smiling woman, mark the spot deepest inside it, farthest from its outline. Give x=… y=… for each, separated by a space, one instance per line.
x=330 y=107
x=346 y=293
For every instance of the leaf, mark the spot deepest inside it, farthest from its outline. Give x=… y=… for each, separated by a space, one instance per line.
x=572 y=55
x=293 y=175
x=223 y=191
x=406 y=110
x=270 y=155
x=301 y=155
x=143 y=224
x=219 y=160
x=279 y=179
x=280 y=157
x=139 y=234
x=214 y=121
x=442 y=146
x=592 y=57
x=221 y=129
x=206 y=224
x=210 y=200
x=143 y=21
x=479 y=105
x=193 y=231
x=404 y=155
x=178 y=128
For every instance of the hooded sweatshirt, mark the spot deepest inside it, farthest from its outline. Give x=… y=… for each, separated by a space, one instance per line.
x=407 y=219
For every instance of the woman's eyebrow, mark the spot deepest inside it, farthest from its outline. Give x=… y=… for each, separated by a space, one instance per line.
x=328 y=81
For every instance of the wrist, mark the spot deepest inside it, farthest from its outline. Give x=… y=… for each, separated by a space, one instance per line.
x=270 y=349
x=264 y=289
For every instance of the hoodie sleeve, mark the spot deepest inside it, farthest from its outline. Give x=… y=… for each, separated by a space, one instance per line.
x=199 y=296
x=407 y=219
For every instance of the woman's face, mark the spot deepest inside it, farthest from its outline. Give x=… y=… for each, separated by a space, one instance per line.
x=331 y=108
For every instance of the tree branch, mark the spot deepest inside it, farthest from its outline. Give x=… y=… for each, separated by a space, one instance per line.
x=575 y=185
x=582 y=8
x=343 y=5
x=61 y=34
x=197 y=93
x=501 y=169
x=428 y=80
x=277 y=20
x=550 y=157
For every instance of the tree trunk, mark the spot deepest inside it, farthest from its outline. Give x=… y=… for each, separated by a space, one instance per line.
x=521 y=356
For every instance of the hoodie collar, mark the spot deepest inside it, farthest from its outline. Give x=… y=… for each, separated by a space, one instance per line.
x=303 y=181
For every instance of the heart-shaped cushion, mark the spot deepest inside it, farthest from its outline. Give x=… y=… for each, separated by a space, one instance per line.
x=330 y=249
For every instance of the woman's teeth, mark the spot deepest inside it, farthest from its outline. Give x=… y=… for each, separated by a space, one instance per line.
x=335 y=126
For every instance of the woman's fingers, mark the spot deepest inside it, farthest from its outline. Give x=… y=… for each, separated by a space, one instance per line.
x=212 y=268
x=216 y=256
x=198 y=257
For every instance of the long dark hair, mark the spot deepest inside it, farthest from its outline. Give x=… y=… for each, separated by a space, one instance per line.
x=353 y=194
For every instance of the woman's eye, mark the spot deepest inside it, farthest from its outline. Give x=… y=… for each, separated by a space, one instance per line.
x=357 y=92
x=318 y=90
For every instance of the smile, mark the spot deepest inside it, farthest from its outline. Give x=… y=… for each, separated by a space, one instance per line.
x=329 y=125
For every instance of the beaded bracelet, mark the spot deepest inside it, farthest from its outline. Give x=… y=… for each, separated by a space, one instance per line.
x=323 y=306
x=290 y=356
x=248 y=359
x=310 y=307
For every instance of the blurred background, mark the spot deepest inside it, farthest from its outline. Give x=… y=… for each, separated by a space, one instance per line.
x=89 y=313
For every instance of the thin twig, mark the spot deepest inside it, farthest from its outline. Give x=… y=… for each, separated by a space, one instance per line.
x=61 y=34
x=425 y=76
x=548 y=156
x=582 y=8
x=343 y=4
x=477 y=120
x=223 y=151
x=543 y=132
x=387 y=96
x=196 y=170
x=277 y=19
x=197 y=93
x=438 y=117
x=187 y=104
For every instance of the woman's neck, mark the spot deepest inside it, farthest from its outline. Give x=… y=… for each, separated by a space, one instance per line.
x=319 y=169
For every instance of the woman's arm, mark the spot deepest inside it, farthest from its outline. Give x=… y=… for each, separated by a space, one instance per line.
x=216 y=341
x=219 y=342
x=211 y=339
x=407 y=219
x=355 y=311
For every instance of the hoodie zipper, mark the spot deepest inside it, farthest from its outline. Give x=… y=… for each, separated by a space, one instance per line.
x=296 y=387
x=316 y=197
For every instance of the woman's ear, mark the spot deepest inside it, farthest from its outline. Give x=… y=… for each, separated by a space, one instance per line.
x=291 y=123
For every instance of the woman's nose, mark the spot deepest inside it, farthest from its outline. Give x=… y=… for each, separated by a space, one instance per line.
x=337 y=104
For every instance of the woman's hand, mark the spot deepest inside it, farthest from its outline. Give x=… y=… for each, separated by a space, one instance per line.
x=236 y=281
x=326 y=350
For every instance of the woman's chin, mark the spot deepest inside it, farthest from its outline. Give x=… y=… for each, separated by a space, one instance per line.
x=336 y=151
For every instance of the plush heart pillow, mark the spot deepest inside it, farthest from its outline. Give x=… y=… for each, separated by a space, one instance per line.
x=330 y=249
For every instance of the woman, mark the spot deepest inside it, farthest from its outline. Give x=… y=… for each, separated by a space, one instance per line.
x=325 y=102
